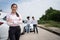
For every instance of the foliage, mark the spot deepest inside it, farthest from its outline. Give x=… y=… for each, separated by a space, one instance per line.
x=51 y=14
x=51 y=17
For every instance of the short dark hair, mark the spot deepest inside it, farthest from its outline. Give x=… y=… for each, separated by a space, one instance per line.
x=28 y=16
x=32 y=16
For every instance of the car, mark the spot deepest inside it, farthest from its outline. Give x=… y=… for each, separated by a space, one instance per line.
x=31 y=28
x=25 y=26
x=4 y=28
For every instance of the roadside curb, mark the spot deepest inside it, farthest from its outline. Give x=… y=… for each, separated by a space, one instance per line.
x=50 y=30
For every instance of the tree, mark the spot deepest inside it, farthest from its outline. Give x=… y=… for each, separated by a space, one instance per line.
x=51 y=14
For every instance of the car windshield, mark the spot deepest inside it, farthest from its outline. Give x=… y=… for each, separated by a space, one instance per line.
x=2 y=17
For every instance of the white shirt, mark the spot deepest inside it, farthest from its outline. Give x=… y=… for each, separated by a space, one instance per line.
x=28 y=21
x=14 y=19
x=34 y=21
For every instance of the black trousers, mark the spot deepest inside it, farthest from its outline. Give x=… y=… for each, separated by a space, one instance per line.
x=14 y=32
x=35 y=28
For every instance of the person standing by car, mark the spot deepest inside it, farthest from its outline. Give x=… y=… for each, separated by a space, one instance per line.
x=34 y=22
x=14 y=20
x=28 y=24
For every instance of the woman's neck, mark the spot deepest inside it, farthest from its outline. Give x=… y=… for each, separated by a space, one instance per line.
x=13 y=12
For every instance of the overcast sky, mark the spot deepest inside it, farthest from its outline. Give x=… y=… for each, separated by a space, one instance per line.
x=30 y=7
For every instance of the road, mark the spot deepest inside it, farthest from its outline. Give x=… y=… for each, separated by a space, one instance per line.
x=42 y=35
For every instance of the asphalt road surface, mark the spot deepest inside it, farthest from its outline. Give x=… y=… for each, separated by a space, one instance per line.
x=42 y=35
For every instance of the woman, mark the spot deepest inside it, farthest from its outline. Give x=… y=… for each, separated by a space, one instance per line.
x=14 y=20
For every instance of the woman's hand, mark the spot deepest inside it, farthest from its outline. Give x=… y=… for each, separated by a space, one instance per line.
x=9 y=20
x=19 y=21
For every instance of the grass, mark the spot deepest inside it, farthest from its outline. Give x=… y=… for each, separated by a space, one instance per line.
x=50 y=23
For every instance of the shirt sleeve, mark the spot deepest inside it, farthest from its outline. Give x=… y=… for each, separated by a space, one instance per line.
x=7 y=19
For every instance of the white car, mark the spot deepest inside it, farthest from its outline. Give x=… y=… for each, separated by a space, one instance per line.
x=25 y=25
x=31 y=27
x=4 y=28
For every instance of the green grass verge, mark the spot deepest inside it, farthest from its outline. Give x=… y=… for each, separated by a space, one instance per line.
x=50 y=23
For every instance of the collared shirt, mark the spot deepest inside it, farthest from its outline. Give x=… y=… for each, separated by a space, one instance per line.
x=28 y=21
x=15 y=20
x=34 y=21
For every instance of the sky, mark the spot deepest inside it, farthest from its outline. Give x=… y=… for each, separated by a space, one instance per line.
x=30 y=8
